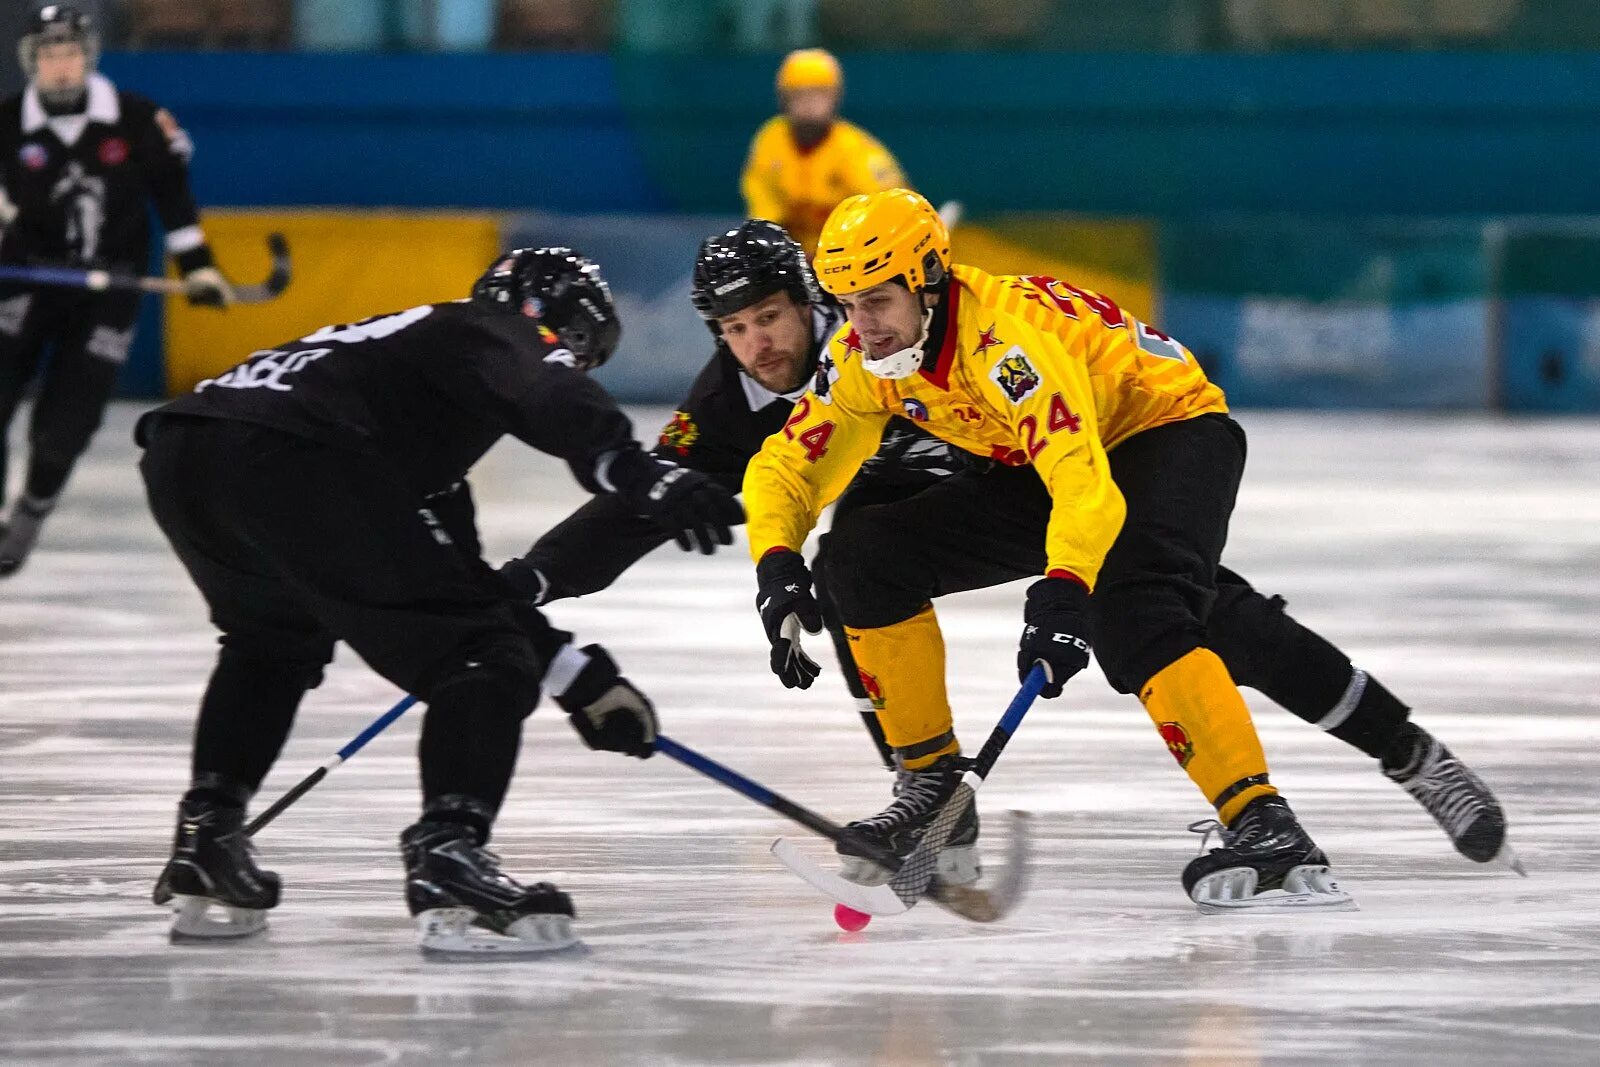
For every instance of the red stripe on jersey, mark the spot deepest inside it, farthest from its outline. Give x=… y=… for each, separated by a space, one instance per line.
x=939 y=374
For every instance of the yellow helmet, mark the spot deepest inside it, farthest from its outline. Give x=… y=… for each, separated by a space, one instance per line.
x=877 y=237
x=810 y=68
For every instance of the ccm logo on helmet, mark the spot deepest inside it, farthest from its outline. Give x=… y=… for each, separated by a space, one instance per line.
x=841 y=268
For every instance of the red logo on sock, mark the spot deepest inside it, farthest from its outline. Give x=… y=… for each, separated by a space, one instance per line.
x=1178 y=743
x=874 y=690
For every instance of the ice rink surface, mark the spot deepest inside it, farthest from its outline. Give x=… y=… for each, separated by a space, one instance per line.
x=1458 y=559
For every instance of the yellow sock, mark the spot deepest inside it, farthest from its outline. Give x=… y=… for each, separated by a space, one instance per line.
x=902 y=670
x=1204 y=721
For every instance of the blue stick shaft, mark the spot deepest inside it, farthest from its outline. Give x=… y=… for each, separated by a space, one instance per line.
x=305 y=784
x=752 y=789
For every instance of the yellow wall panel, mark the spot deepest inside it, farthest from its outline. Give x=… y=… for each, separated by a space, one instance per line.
x=347 y=265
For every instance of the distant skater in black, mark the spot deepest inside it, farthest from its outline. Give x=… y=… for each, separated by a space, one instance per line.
x=81 y=164
x=316 y=493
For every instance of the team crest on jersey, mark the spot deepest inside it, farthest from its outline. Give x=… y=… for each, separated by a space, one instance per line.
x=113 y=151
x=33 y=155
x=1178 y=743
x=681 y=433
x=1015 y=375
x=874 y=690
x=916 y=410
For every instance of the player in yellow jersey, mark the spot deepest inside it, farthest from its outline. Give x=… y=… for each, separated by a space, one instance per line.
x=807 y=159
x=1115 y=471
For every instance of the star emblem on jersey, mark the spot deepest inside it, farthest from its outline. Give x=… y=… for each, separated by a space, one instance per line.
x=1015 y=375
x=827 y=374
x=1178 y=743
x=852 y=343
x=681 y=433
x=986 y=341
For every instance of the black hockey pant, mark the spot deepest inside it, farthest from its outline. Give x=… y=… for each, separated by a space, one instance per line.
x=1161 y=593
x=295 y=545
x=87 y=336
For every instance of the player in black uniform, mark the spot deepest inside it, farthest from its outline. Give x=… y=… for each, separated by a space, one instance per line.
x=316 y=493
x=756 y=292
x=80 y=163
x=753 y=285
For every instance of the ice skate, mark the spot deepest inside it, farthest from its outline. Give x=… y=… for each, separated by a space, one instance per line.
x=1459 y=801
x=895 y=831
x=1267 y=861
x=21 y=532
x=213 y=867
x=467 y=908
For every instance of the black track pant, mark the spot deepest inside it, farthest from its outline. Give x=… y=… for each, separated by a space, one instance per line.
x=295 y=545
x=1161 y=592
x=87 y=338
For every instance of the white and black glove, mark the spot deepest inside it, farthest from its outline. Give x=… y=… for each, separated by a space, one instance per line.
x=1053 y=632
x=697 y=511
x=206 y=287
x=606 y=709
x=786 y=604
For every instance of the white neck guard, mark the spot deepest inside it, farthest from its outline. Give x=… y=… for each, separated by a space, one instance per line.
x=904 y=363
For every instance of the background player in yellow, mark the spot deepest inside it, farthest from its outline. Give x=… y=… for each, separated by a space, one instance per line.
x=1140 y=464
x=807 y=159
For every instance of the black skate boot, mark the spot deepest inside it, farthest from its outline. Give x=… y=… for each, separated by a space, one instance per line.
x=455 y=886
x=1266 y=861
x=21 y=533
x=213 y=863
x=897 y=829
x=1459 y=801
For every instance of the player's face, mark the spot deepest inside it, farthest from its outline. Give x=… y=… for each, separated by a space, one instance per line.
x=811 y=107
x=62 y=66
x=771 y=340
x=887 y=318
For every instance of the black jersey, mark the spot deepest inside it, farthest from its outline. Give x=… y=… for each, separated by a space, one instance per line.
x=429 y=389
x=717 y=429
x=82 y=184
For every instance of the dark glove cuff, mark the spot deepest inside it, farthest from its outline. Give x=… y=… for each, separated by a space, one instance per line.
x=194 y=259
x=782 y=564
x=577 y=677
x=628 y=471
x=1056 y=595
x=526 y=580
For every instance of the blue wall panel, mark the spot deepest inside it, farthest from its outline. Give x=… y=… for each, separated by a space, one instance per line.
x=399 y=130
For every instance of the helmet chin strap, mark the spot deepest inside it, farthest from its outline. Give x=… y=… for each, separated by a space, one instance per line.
x=904 y=363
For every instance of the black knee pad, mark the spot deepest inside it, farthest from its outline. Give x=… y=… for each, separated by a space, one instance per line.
x=1251 y=634
x=872 y=570
x=1139 y=628
x=500 y=672
x=285 y=662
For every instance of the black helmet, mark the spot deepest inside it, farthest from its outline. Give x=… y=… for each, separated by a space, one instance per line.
x=746 y=265
x=52 y=24
x=563 y=291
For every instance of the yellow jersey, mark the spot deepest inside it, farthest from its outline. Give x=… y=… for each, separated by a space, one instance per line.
x=798 y=188
x=1032 y=371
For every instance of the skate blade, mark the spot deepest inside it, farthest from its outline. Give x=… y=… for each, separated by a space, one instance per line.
x=450 y=934
x=193 y=925
x=1507 y=857
x=1309 y=887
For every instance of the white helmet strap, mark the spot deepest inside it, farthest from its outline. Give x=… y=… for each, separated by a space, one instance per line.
x=904 y=363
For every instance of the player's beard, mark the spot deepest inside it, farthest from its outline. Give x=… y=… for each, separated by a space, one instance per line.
x=809 y=133
x=779 y=374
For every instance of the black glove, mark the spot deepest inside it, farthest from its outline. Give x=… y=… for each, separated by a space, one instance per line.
x=694 y=509
x=526 y=580
x=783 y=596
x=608 y=712
x=1053 y=634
